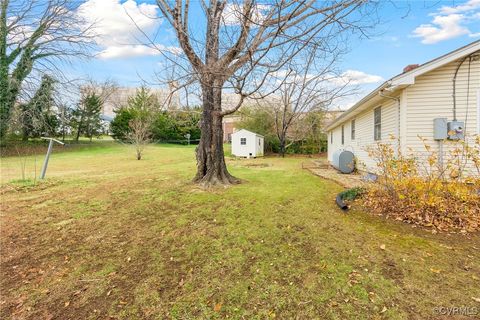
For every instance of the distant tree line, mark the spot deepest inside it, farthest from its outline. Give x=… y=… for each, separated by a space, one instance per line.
x=172 y=126
x=303 y=135
x=142 y=119
x=35 y=36
x=43 y=115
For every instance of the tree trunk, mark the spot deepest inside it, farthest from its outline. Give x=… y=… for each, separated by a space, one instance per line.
x=211 y=167
x=282 y=146
x=4 y=77
x=78 y=134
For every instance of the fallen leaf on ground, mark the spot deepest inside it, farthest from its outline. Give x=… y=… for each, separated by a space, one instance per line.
x=217 y=307
x=382 y=247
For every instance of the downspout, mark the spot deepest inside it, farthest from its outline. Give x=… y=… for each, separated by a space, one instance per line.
x=397 y=99
x=454 y=85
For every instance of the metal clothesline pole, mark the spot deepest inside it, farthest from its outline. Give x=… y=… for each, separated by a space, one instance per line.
x=47 y=156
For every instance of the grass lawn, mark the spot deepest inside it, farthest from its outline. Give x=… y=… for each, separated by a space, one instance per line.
x=109 y=236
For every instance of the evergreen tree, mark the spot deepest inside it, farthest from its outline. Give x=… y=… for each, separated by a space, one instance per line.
x=143 y=105
x=119 y=125
x=143 y=102
x=65 y=118
x=37 y=117
x=35 y=34
x=87 y=118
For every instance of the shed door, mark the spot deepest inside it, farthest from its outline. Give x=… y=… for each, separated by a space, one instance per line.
x=259 y=146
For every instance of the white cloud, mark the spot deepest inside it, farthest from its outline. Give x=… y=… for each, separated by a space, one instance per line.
x=449 y=22
x=443 y=28
x=349 y=77
x=117 y=27
x=18 y=32
x=467 y=6
x=128 y=51
x=233 y=13
x=346 y=102
x=356 y=77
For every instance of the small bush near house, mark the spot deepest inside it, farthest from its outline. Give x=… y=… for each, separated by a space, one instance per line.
x=426 y=191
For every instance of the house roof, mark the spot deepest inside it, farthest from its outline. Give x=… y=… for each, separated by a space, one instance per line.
x=248 y=132
x=402 y=80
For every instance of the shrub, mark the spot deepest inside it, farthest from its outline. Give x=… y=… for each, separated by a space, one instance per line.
x=165 y=127
x=119 y=125
x=428 y=191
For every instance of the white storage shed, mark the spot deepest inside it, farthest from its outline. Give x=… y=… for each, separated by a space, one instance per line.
x=247 y=144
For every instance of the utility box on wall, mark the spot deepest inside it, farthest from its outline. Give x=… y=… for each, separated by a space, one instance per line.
x=456 y=130
x=440 y=129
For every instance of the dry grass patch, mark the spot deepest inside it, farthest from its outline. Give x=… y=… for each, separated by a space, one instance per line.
x=110 y=236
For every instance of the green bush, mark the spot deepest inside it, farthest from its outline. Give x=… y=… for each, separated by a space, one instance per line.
x=119 y=125
x=166 y=127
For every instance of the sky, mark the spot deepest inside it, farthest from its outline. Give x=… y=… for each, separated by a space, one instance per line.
x=411 y=32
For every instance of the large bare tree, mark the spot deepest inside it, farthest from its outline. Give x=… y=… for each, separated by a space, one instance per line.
x=309 y=83
x=35 y=35
x=237 y=46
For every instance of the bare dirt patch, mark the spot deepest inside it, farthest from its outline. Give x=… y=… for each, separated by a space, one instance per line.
x=141 y=242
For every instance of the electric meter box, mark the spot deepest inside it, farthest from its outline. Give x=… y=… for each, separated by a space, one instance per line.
x=456 y=130
x=440 y=129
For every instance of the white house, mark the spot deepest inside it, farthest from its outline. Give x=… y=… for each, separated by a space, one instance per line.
x=247 y=144
x=405 y=106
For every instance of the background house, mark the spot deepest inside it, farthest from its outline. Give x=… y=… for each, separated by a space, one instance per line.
x=230 y=100
x=230 y=124
x=406 y=105
x=247 y=144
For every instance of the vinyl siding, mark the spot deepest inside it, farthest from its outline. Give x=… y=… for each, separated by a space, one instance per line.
x=336 y=144
x=431 y=97
x=250 y=148
x=364 y=135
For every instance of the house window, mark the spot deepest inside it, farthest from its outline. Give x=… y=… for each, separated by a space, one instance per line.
x=259 y=143
x=352 y=133
x=377 y=123
x=331 y=137
x=243 y=141
x=343 y=135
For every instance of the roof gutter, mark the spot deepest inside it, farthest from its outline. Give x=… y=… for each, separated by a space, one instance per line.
x=405 y=79
x=346 y=114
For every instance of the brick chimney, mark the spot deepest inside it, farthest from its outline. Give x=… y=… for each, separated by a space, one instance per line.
x=410 y=67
